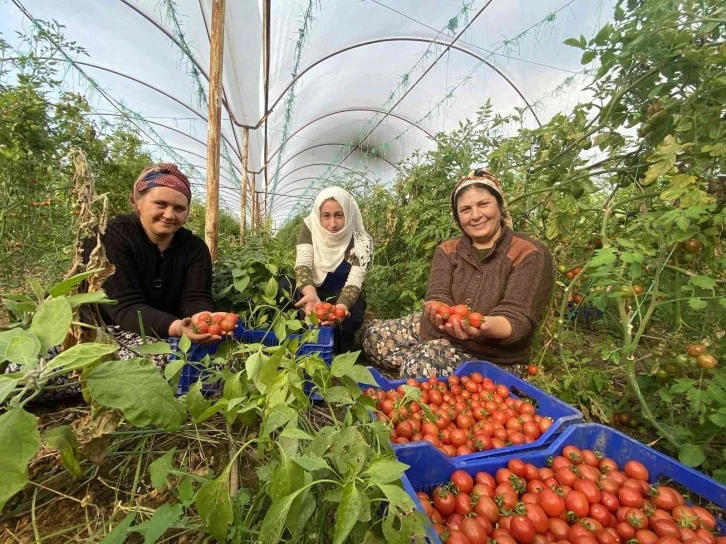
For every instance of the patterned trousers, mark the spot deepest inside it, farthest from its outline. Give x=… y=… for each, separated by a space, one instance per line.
x=395 y=344
x=67 y=385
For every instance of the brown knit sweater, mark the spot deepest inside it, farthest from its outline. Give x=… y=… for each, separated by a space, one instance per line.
x=514 y=281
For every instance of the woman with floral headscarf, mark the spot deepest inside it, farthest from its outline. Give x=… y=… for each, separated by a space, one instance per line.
x=504 y=275
x=333 y=253
x=162 y=272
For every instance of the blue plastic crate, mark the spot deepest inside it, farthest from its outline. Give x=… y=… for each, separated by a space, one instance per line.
x=586 y=312
x=614 y=444
x=192 y=372
x=424 y=453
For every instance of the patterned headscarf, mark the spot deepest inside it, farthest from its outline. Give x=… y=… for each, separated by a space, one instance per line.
x=162 y=175
x=483 y=177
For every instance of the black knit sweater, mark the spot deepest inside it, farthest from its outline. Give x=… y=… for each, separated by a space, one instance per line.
x=162 y=286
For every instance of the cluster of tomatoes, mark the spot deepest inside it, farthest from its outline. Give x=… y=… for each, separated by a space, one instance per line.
x=703 y=359
x=457 y=314
x=582 y=498
x=325 y=311
x=570 y=274
x=216 y=324
x=470 y=414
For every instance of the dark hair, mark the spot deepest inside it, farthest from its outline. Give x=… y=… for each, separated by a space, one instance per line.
x=455 y=198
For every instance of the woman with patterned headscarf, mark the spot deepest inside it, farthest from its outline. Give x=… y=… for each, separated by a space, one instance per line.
x=162 y=272
x=333 y=253
x=504 y=275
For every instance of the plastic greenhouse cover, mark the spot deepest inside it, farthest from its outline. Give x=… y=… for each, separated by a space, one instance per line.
x=392 y=84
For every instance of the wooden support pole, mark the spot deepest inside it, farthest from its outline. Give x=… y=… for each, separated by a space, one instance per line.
x=245 y=182
x=211 y=226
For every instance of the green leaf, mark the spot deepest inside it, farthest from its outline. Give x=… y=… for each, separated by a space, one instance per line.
x=274 y=522
x=280 y=415
x=195 y=401
x=19 y=347
x=385 y=470
x=663 y=160
x=287 y=478
x=588 y=56
x=137 y=389
x=160 y=469
x=217 y=407
x=173 y=368
x=295 y=433
x=704 y=282
x=80 y=355
x=311 y=463
x=682 y=385
x=64 y=287
x=691 y=455
x=720 y=475
x=19 y=308
x=603 y=256
x=94 y=297
x=262 y=369
x=62 y=439
x=602 y=36
x=51 y=322
x=184 y=344
x=347 y=514
x=37 y=289
x=279 y=329
x=119 y=533
x=19 y=441
x=154 y=348
x=719 y=418
x=338 y=395
x=397 y=496
x=164 y=517
x=343 y=363
x=271 y=288
x=573 y=42
x=361 y=374
x=215 y=506
x=7 y=386
x=241 y=283
x=697 y=303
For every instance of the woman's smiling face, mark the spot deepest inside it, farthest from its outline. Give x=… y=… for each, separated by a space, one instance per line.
x=479 y=214
x=332 y=216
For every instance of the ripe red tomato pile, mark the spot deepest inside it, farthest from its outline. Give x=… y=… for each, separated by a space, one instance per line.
x=582 y=498
x=217 y=324
x=472 y=413
x=327 y=312
x=457 y=314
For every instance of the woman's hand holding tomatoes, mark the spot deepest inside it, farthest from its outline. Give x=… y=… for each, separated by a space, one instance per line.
x=205 y=327
x=463 y=329
x=329 y=314
x=309 y=300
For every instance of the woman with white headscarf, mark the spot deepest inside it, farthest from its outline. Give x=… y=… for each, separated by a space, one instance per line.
x=333 y=253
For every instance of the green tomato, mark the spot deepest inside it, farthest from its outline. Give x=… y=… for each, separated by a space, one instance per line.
x=562 y=268
x=692 y=362
x=688 y=258
x=661 y=375
x=671 y=369
x=633 y=423
x=682 y=359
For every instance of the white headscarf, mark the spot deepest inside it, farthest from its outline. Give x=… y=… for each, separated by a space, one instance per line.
x=329 y=247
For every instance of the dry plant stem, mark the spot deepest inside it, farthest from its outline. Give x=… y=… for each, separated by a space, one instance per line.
x=33 y=519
